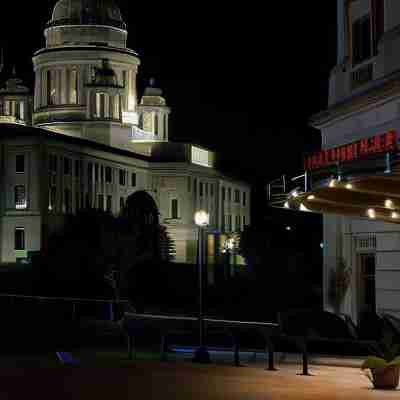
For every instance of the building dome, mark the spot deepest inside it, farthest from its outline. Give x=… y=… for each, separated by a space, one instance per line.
x=87 y=12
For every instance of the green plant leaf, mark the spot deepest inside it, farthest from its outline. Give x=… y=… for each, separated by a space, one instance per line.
x=374 y=363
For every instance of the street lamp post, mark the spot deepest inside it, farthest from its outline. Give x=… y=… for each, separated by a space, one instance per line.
x=202 y=219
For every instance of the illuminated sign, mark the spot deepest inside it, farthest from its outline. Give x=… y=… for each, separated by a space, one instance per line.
x=384 y=143
x=201 y=157
x=130 y=118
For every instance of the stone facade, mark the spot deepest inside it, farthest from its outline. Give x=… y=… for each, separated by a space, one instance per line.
x=86 y=139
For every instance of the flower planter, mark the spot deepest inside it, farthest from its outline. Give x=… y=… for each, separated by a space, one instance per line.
x=387 y=378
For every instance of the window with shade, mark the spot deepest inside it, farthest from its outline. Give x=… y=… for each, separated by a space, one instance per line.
x=20 y=197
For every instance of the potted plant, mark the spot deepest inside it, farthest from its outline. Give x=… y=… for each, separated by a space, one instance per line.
x=383 y=368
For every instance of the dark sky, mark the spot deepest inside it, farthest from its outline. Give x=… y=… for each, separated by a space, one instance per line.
x=241 y=77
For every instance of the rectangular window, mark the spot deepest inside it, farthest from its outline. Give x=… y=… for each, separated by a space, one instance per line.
x=53 y=163
x=77 y=206
x=122 y=175
x=90 y=172
x=51 y=87
x=109 y=203
x=362 y=40
x=229 y=194
x=206 y=189
x=121 y=203
x=237 y=196
x=53 y=198
x=20 y=197
x=223 y=194
x=77 y=169
x=244 y=198
x=244 y=222
x=174 y=209
x=133 y=181
x=108 y=175
x=21 y=112
x=20 y=164
x=230 y=223
x=117 y=114
x=195 y=186
x=67 y=201
x=19 y=239
x=189 y=184
x=237 y=223
x=72 y=86
x=102 y=105
x=201 y=189
x=212 y=190
x=101 y=174
x=96 y=172
x=67 y=166
x=100 y=201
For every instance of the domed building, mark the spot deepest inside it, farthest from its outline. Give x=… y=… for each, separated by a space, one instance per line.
x=85 y=139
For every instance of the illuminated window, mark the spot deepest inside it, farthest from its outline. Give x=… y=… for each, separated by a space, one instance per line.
x=21 y=113
x=51 y=87
x=201 y=157
x=174 y=209
x=133 y=179
x=72 y=77
x=362 y=39
x=19 y=238
x=117 y=107
x=148 y=121
x=20 y=164
x=108 y=175
x=53 y=199
x=20 y=197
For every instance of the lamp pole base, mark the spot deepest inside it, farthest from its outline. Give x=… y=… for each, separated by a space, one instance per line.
x=202 y=356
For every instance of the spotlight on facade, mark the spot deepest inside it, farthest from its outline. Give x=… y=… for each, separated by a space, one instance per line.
x=349 y=186
x=288 y=228
x=371 y=213
x=332 y=183
x=295 y=194
x=202 y=218
x=395 y=215
x=389 y=204
x=287 y=205
x=311 y=197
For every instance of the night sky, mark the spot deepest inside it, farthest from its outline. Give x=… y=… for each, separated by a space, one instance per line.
x=241 y=78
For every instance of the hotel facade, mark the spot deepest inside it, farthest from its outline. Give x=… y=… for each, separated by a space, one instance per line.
x=86 y=139
x=354 y=180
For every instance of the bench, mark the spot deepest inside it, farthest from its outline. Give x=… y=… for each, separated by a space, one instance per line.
x=184 y=326
x=318 y=330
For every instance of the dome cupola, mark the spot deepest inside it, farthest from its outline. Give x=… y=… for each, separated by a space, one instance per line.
x=87 y=12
